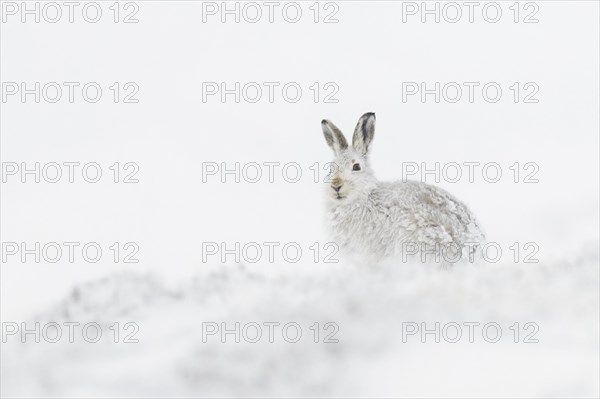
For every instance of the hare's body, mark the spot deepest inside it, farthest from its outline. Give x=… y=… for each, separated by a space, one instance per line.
x=406 y=219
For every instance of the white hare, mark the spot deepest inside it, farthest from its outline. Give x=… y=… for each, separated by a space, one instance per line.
x=381 y=220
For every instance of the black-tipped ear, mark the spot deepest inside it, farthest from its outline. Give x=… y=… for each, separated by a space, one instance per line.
x=364 y=132
x=334 y=137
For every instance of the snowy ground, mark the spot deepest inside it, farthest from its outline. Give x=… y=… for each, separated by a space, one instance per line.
x=370 y=359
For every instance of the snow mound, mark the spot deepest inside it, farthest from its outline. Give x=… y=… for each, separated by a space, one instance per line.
x=365 y=309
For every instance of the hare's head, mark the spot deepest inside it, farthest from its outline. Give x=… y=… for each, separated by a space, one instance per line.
x=351 y=176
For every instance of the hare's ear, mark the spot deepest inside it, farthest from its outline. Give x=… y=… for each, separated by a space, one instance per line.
x=334 y=137
x=364 y=132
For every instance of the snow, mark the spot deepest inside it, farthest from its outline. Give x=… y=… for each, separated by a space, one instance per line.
x=370 y=359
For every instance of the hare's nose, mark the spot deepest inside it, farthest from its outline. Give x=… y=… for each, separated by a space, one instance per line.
x=336 y=188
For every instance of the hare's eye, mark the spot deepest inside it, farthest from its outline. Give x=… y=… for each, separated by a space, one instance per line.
x=356 y=166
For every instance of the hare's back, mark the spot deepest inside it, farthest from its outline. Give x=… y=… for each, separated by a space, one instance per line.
x=425 y=206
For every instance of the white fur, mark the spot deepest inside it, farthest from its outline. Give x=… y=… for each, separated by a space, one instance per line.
x=378 y=220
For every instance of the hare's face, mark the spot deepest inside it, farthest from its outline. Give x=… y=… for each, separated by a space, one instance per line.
x=350 y=175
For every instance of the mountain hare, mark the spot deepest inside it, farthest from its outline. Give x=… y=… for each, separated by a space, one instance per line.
x=382 y=220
